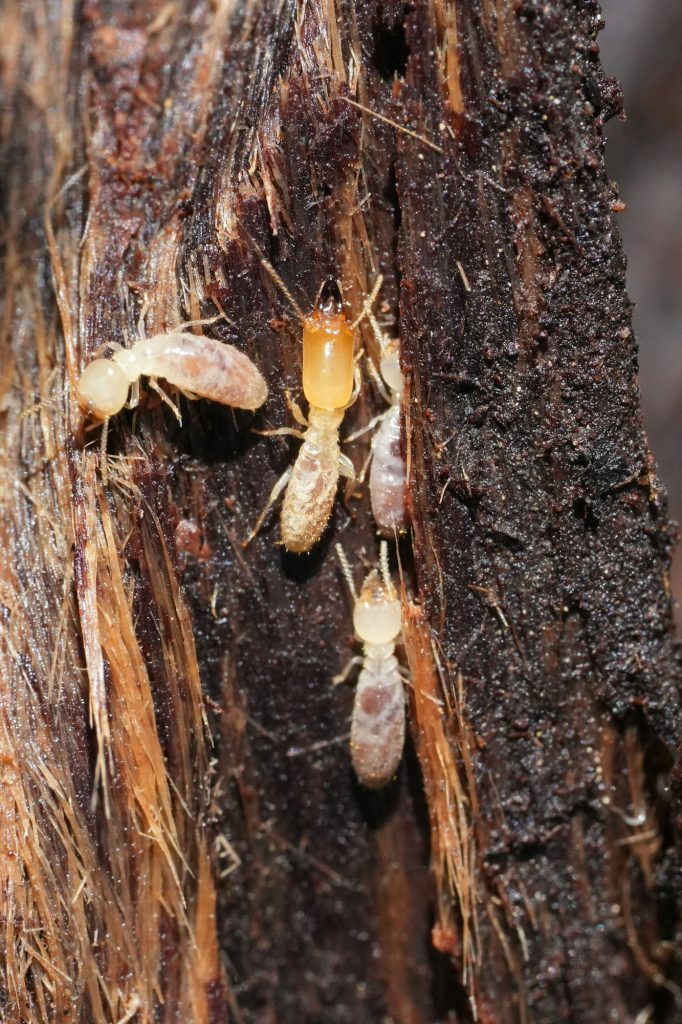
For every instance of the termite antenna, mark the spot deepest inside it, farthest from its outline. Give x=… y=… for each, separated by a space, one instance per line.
x=399 y=559
x=104 y=469
x=346 y=571
x=385 y=572
x=267 y=265
x=376 y=330
x=369 y=302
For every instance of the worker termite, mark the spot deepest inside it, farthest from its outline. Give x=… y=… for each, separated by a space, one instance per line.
x=388 y=473
x=377 y=734
x=199 y=367
x=328 y=376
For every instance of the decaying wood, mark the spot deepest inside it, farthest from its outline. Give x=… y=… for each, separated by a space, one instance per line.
x=182 y=836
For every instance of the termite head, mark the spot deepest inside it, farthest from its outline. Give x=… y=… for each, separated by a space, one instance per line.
x=390 y=366
x=376 y=612
x=328 y=342
x=102 y=389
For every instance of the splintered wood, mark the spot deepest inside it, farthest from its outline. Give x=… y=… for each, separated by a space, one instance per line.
x=438 y=730
x=154 y=165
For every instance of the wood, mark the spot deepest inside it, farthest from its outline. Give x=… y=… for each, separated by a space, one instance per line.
x=183 y=838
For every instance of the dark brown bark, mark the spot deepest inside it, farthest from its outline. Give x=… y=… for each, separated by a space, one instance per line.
x=523 y=865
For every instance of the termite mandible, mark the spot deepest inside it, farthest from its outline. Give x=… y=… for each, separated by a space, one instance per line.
x=377 y=734
x=328 y=378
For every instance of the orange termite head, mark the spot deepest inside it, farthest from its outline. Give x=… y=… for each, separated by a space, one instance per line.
x=328 y=343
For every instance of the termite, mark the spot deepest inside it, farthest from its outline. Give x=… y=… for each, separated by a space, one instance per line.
x=377 y=734
x=200 y=367
x=328 y=379
x=388 y=472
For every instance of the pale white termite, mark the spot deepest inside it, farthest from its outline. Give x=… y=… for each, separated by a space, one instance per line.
x=328 y=376
x=199 y=367
x=377 y=734
x=388 y=472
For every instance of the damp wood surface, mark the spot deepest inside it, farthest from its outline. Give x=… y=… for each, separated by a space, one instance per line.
x=182 y=836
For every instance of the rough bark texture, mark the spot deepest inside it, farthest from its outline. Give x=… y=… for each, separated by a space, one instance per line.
x=523 y=866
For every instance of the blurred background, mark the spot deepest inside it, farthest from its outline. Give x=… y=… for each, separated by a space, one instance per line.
x=641 y=46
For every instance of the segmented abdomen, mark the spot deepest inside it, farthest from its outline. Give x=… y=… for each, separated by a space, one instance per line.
x=205 y=366
x=387 y=478
x=310 y=494
x=377 y=734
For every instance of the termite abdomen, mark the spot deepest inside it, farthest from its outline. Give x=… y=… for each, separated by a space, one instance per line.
x=387 y=475
x=378 y=726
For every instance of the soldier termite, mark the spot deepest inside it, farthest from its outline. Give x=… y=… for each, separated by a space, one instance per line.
x=377 y=733
x=328 y=375
x=388 y=473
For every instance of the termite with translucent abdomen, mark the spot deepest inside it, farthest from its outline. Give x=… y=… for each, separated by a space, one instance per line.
x=377 y=733
x=328 y=375
x=201 y=367
x=388 y=473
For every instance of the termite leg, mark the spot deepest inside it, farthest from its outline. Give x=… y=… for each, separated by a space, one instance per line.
x=274 y=495
x=297 y=413
x=349 y=490
x=189 y=395
x=346 y=671
x=164 y=398
x=357 y=387
x=134 y=399
x=365 y=466
x=363 y=430
x=295 y=410
x=280 y=432
x=198 y=323
x=346 y=467
x=141 y=333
